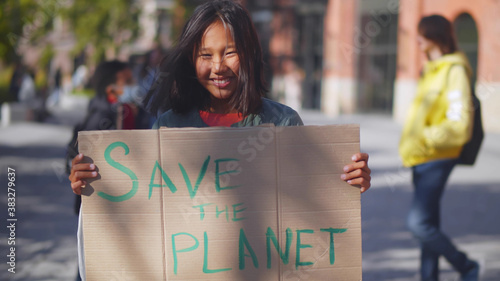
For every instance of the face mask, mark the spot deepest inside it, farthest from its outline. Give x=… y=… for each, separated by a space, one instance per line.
x=130 y=95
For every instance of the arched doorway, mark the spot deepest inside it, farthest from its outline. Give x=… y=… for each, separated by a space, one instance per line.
x=467 y=38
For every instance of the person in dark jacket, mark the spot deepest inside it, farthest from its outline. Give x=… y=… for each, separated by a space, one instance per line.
x=111 y=108
x=111 y=80
x=108 y=110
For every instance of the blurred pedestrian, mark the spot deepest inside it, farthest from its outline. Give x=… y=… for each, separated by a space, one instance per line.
x=438 y=125
x=112 y=108
x=78 y=80
x=27 y=91
x=56 y=92
x=16 y=81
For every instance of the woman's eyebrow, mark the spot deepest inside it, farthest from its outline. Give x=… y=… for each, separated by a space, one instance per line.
x=201 y=49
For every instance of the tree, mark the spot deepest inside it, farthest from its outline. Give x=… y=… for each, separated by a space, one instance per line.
x=22 y=21
x=183 y=9
x=105 y=25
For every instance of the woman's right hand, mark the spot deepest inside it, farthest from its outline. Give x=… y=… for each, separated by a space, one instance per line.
x=80 y=172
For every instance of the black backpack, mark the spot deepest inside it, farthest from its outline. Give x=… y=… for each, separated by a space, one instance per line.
x=471 y=149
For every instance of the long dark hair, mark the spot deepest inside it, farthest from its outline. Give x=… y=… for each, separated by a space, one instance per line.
x=439 y=30
x=176 y=85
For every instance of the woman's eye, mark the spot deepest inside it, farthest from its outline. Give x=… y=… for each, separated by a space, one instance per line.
x=205 y=56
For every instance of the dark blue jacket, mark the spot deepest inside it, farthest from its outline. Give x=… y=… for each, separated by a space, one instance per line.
x=270 y=112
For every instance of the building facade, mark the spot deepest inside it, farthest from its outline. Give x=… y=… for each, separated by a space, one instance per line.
x=477 y=28
x=352 y=56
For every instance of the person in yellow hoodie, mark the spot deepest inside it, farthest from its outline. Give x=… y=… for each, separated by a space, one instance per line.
x=438 y=125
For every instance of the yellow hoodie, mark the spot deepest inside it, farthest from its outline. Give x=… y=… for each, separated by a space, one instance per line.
x=440 y=118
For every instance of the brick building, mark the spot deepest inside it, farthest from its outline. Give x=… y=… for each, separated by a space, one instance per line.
x=362 y=56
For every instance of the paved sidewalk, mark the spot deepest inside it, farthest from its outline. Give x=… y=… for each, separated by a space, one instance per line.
x=46 y=226
x=470 y=205
x=45 y=234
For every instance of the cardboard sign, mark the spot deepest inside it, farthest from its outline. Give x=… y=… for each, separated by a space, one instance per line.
x=258 y=203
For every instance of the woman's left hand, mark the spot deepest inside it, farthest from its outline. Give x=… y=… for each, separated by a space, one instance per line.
x=358 y=173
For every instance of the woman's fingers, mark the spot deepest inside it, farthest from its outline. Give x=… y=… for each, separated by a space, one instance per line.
x=77 y=187
x=80 y=172
x=80 y=175
x=83 y=167
x=77 y=159
x=358 y=173
x=357 y=166
x=361 y=165
x=358 y=178
x=360 y=157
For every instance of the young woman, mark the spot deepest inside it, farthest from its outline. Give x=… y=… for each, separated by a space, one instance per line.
x=214 y=77
x=439 y=123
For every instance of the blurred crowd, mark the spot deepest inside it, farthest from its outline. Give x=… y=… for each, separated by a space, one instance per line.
x=39 y=98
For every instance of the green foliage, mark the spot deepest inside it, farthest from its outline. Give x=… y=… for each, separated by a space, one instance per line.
x=183 y=9
x=103 y=24
x=89 y=93
x=46 y=56
x=4 y=94
x=41 y=79
x=5 y=75
x=14 y=16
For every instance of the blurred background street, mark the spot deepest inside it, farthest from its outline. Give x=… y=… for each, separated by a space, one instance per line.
x=46 y=227
x=334 y=61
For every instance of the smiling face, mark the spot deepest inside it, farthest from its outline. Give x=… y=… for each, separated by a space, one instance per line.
x=217 y=62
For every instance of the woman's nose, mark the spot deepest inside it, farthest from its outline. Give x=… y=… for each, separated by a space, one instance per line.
x=218 y=65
